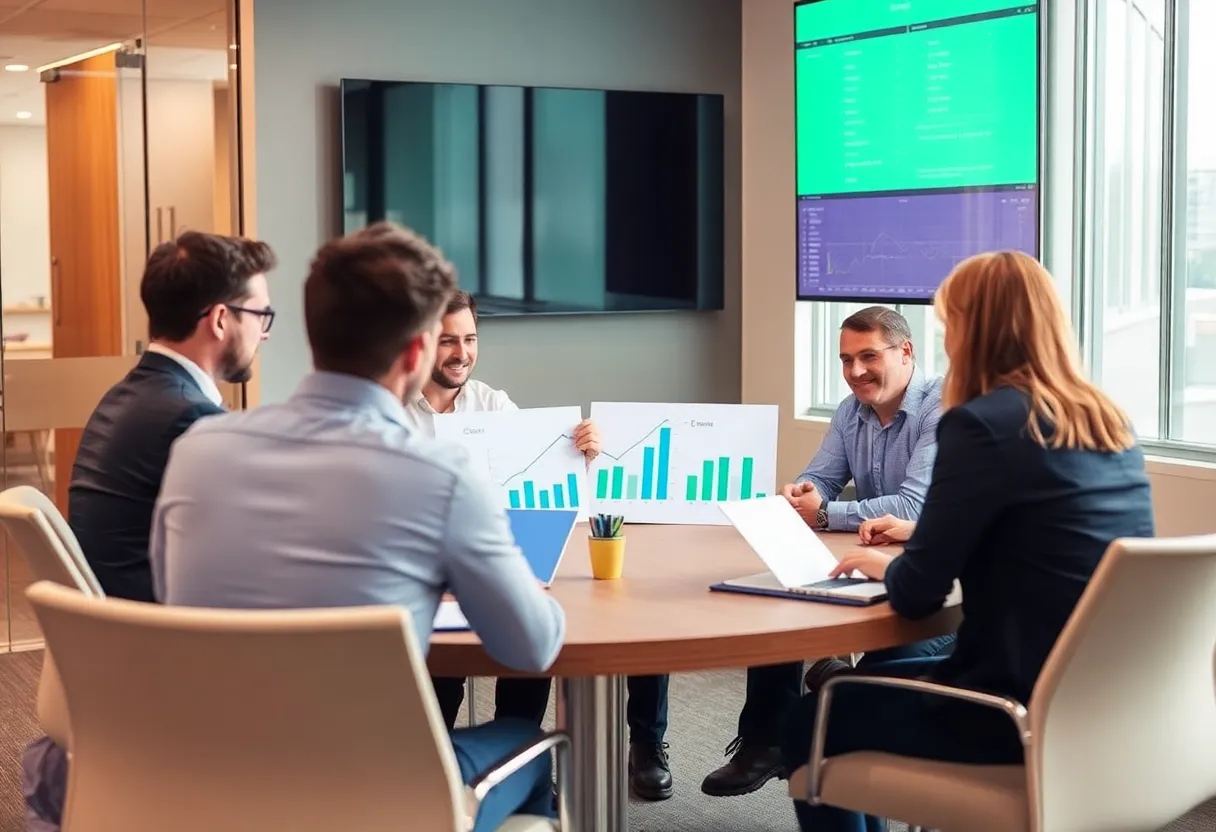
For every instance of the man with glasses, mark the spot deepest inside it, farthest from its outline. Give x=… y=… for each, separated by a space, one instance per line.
x=883 y=438
x=208 y=309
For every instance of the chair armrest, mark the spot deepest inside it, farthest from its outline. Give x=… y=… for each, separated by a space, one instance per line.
x=1016 y=711
x=555 y=741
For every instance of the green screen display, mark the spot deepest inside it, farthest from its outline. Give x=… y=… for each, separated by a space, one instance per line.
x=915 y=95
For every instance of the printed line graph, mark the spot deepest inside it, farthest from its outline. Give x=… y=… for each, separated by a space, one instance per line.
x=528 y=454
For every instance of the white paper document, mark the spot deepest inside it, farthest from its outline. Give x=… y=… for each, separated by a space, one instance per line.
x=449 y=617
x=782 y=539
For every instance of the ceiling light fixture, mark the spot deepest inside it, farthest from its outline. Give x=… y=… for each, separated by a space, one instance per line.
x=92 y=53
x=24 y=114
x=16 y=67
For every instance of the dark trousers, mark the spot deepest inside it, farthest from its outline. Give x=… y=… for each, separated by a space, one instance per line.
x=772 y=690
x=523 y=698
x=646 y=710
x=896 y=722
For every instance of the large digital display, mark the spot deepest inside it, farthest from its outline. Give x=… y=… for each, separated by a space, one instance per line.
x=917 y=141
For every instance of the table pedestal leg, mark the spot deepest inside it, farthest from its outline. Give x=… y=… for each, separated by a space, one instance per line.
x=594 y=715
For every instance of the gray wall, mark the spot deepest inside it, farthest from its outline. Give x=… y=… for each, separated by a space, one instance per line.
x=303 y=47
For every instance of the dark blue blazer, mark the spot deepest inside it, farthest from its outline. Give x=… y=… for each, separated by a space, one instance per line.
x=1022 y=528
x=120 y=465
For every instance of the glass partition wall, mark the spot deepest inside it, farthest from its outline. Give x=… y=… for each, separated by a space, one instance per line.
x=117 y=132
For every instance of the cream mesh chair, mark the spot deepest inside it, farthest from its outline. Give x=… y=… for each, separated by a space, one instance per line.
x=54 y=554
x=1120 y=735
x=198 y=720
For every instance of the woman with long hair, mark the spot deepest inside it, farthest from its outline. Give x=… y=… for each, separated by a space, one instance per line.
x=1037 y=472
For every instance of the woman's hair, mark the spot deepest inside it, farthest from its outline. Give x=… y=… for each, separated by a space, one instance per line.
x=1008 y=328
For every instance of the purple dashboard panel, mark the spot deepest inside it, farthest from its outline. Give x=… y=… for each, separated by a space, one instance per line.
x=900 y=248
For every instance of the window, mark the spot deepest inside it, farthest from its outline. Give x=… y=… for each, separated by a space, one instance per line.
x=1144 y=297
x=1128 y=130
x=1195 y=269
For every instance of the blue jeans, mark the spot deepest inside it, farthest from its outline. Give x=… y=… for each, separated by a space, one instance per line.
x=772 y=690
x=528 y=791
x=897 y=722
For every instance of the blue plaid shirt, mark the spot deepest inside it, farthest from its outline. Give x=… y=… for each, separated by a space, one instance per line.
x=890 y=465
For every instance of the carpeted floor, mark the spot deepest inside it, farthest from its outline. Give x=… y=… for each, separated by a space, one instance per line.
x=703 y=712
x=18 y=725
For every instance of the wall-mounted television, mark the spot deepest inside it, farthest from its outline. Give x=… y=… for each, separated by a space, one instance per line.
x=548 y=200
x=917 y=141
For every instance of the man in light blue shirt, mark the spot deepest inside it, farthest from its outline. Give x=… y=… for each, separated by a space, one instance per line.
x=883 y=437
x=332 y=498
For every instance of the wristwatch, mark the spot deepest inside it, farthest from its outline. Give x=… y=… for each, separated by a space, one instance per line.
x=821 y=517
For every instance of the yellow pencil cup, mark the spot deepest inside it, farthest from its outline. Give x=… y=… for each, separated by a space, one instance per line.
x=607 y=557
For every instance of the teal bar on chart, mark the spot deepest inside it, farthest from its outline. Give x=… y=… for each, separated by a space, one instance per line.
x=544 y=498
x=723 y=476
x=529 y=494
x=618 y=481
x=559 y=499
x=513 y=495
x=707 y=480
x=662 y=475
x=745 y=483
x=631 y=490
x=647 y=472
x=572 y=484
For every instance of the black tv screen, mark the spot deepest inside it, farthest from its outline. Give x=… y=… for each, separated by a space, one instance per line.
x=547 y=200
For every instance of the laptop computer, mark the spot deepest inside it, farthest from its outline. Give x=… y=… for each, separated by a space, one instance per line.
x=798 y=562
x=542 y=535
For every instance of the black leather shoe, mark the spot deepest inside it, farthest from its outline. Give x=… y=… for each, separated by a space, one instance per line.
x=750 y=767
x=822 y=670
x=649 y=770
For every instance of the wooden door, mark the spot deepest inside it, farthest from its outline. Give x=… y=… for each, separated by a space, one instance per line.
x=82 y=139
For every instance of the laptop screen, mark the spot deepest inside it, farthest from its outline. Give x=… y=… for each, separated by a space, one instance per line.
x=542 y=535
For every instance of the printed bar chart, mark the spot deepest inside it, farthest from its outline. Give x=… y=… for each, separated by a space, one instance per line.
x=553 y=497
x=676 y=468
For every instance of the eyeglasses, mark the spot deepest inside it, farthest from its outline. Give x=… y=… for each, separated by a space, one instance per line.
x=267 y=314
x=867 y=358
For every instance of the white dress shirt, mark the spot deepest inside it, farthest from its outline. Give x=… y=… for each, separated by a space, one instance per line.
x=205 y=382
x=476 y=396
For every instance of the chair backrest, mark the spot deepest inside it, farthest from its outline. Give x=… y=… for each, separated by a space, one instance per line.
x=53 y=554
x=1125 y=709
x=50 y=546
x=198 y=719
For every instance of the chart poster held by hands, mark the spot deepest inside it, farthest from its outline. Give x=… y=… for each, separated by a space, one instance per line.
x=673 y=463
x=528 y=454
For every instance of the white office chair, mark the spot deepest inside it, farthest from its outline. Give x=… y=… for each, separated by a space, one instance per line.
x=1120 y=734
x=53 y=554
x=200 y=719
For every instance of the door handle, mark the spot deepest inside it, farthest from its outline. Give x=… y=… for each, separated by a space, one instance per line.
x=160 y=227
x=56 y=298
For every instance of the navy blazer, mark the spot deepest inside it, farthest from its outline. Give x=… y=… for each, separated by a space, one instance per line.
x=1022 y=528
x=120 y=465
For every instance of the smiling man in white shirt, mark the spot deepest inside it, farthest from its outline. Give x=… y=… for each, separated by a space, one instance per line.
x=451 y=389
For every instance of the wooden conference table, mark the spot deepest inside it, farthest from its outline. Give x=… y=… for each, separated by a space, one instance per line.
x=660 y=617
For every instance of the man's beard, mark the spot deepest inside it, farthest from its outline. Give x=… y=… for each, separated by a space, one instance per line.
x=232 y=370
x=446 y=383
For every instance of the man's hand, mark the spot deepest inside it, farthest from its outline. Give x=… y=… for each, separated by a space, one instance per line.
x=869 y=562
x=884 y=530
x=587 y=439
x=805 y=499
x=796 y=489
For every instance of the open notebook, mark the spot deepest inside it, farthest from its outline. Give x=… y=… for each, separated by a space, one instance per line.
x=798 y=561
x=542 y=535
